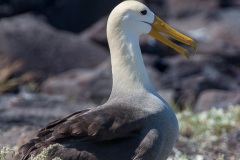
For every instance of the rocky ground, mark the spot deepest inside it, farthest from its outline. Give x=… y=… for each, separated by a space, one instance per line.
x=54 y=60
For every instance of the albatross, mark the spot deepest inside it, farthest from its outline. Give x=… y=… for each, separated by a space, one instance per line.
x=136 y=123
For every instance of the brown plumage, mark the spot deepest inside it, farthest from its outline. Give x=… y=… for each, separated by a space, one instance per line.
x=89 y=126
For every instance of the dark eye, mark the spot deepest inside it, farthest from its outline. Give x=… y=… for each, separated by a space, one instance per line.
x=144 y=12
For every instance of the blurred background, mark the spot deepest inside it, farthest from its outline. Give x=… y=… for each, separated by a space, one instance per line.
x=54 y=60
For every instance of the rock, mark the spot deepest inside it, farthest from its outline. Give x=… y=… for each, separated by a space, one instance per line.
x=5 y=101
x=225 y=29
x=77 y=15
x=81 y=84
x=229 y=3
x=22 y=115
x=44 y=49
x=36 y=109
x=74 y=15
x=181 y=8
x=97 y=32
x=206 y=72
x=17 y=135
x=158 y=7
x=217 y=98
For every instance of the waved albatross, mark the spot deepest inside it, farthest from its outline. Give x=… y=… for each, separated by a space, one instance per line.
x=136 y=122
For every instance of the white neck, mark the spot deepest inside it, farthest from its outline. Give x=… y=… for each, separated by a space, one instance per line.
x=129 y=72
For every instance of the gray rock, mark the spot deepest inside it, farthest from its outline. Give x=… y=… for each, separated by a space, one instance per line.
x=82 y=84
x=36 y=109
x=181 y=8
x=217 y=98
x=202 y=72
x=17 y=135
x=45 y=49
x=224 y=28
x=97 y=32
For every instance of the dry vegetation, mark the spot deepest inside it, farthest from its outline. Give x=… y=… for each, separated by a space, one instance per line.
x=205 y=135
x=8 y=81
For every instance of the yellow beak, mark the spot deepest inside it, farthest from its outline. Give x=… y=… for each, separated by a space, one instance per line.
x=159 y=26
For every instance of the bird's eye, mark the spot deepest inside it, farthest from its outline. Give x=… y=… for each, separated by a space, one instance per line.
x=144 y=12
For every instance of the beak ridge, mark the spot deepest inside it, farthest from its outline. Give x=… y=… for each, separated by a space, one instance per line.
x=159 y=26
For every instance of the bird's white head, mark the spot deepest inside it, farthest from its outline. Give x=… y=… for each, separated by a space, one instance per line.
x=131 y=16
x=134 y=18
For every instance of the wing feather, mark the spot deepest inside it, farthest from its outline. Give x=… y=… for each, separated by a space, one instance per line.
x=91 y=125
